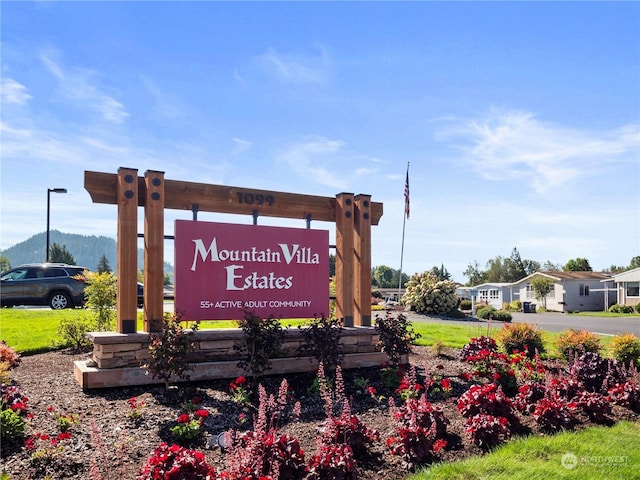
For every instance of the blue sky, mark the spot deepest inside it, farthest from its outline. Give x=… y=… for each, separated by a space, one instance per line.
x=521 y=121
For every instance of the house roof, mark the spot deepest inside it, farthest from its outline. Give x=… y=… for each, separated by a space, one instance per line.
x=566 y=276
x=628 y=276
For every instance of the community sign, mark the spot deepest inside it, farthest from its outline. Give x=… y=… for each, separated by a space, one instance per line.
x=224 y=269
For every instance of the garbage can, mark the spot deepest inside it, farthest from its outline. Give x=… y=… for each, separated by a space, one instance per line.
x=532 y=308
x=525 y=307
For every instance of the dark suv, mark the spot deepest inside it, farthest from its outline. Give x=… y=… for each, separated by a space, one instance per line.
x=43 y=284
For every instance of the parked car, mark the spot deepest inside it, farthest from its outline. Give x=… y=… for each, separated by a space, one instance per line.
x=167 y=294
x=55 y=284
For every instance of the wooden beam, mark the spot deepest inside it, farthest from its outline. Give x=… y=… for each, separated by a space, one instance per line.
x=345 y=263
x=181 y=195
x=362 y=245
x=127 y=249
x=154 y=251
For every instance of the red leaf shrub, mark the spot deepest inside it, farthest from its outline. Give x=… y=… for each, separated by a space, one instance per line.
x=176 y=463
x=488 y=431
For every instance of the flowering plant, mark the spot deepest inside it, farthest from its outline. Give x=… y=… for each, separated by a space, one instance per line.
x=136 y=408
x=488 y=399
x=176 y=463
x=189 y=425
x=64 y=421
x=44 y=446
x=488 y=431
x=239 y=389
x=420 y=429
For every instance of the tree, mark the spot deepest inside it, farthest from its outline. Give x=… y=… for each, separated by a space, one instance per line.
x=551 y=267
x=441 y=273
x=103 y=265
x=332 y=265
x=542 y=286
x=578 y=265
x=60 y=254
x=514 y=266
x=474 y=274
x=5 y=264
x=635 y=262
x=383 y=277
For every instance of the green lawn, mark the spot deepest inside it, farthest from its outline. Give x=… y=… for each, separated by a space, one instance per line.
x=33 y=331
x=594 y=453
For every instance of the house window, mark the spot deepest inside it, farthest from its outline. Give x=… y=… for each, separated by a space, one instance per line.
x=493 y=294
x=482 y=295
x=530 y=292
x=584 y=290
x=633 y=289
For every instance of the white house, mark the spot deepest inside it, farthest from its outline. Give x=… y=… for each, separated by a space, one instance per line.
x=572 y=291
x=495 y=294
x=627 y=287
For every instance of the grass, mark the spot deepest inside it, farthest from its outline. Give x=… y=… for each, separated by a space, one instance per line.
x=600 y=453
x=33 y=331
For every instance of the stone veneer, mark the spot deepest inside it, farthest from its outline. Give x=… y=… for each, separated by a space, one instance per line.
x=117 y=358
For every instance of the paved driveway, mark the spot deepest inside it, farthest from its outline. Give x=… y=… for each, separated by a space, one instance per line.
x=554 y=322
x=557 y=322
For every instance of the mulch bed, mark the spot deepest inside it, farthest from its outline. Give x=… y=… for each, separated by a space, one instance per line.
x=107 y=444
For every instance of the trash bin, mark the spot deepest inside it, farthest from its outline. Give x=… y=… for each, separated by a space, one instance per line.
x=532 y=308
x=525 y=307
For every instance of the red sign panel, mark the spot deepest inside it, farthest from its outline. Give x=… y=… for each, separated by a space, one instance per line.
x=223 y=269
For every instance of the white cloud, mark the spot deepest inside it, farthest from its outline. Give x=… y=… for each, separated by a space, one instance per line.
x=80 y=87
x=295 y=68
x=507 y=145
x=14 y=92
x=240 y=146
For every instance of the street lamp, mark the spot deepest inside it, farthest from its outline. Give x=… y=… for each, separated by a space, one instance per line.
x=49 y=190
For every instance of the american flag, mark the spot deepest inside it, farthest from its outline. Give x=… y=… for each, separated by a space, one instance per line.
x=406 y=194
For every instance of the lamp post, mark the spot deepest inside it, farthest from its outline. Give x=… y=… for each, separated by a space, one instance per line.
x=49 y=190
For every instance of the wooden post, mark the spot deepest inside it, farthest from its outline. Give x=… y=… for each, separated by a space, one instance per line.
x=345 y=257
x=153 y=251
x=127 y=249
x=362 y=280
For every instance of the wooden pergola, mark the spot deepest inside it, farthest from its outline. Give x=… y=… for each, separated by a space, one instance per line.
x=352 y=214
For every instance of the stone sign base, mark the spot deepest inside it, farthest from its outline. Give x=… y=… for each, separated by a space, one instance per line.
x=118 y=358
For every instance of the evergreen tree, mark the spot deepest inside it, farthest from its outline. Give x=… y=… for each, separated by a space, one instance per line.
x=5 y=264
x=103 y=265
x=60 y=254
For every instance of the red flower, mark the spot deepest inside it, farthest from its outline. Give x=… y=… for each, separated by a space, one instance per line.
x=241 y=380
x=446 y=383
x=63 y=436
x=196 y=400
x=202 y=413
x=371 y=390
x=184 y=418
x=465 y=376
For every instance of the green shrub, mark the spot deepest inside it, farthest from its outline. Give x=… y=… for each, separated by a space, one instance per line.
x=100 y=295
x=465 y=304
x=425 y=294
x=11 y=427
x=72 y=333
x=263 y=339
x=576 y=342
x=515 y=306
x=637 y=308
x=521 y=336
x=501 y=316
x=169 y=348
x=626 y=348
x=485 y=311
x=616 y=308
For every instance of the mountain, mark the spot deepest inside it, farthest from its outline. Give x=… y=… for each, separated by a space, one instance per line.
x=86 y=250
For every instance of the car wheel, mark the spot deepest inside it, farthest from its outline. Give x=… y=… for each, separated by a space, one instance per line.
x=59 y=300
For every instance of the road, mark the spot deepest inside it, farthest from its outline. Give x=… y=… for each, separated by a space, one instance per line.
x=555 y=322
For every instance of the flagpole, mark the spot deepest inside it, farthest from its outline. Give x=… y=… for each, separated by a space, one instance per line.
x=404 y=221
